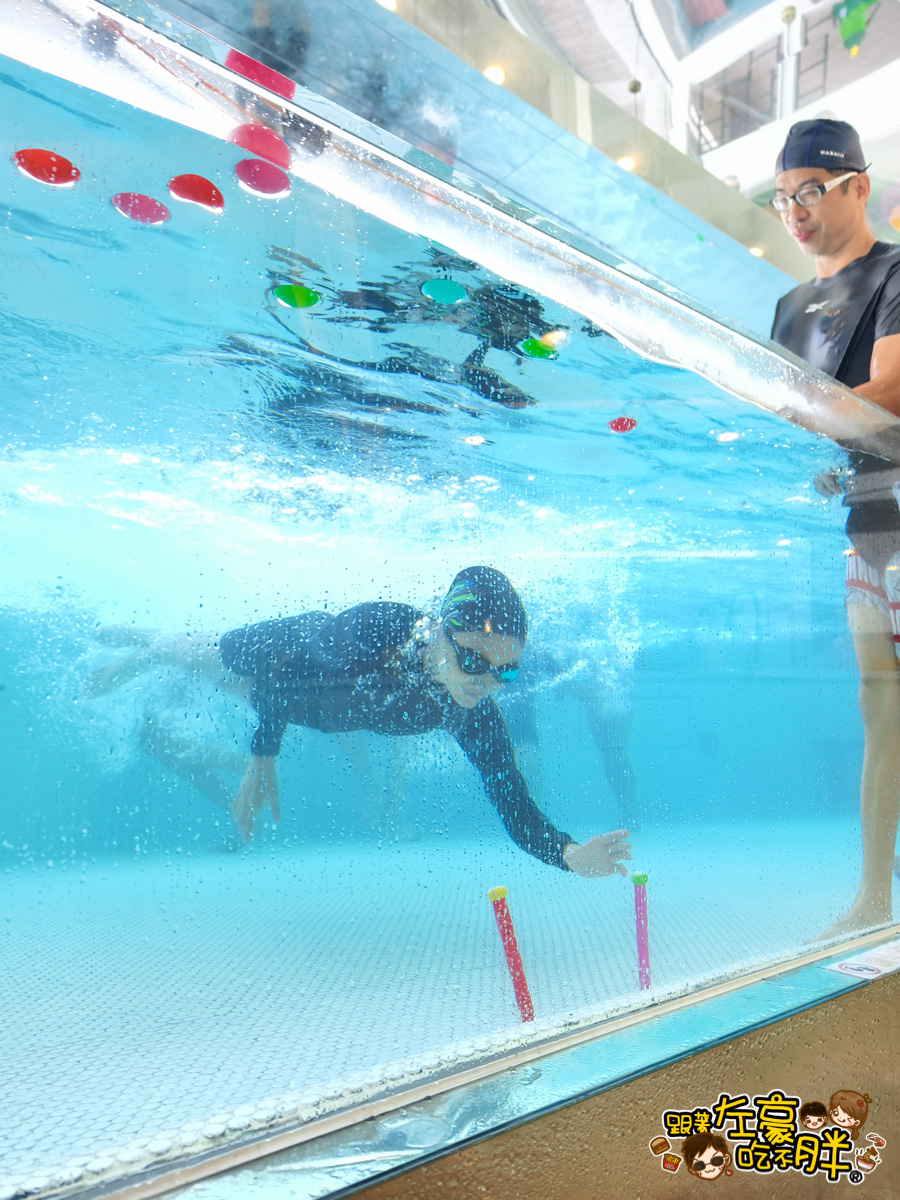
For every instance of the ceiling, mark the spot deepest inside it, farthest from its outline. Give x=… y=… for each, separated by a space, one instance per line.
x=724 y=79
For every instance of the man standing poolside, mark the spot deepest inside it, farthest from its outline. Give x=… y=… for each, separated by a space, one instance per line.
x=846 y=322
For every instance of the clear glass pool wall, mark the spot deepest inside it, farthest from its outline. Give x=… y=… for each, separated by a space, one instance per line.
x=258 y=374
x=397 y=84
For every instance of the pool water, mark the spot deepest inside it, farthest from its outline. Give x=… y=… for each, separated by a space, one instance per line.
x=183 y=451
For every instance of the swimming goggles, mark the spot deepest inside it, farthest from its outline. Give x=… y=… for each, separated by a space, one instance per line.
x=808 y=195
x=473 y=663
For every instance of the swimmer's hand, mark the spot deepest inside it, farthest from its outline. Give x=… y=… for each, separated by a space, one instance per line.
x=258 y=788
x=599 y=856
x=828 y=483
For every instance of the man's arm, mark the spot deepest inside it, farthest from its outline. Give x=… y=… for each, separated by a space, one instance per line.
x=883 y=386
x=854 y=428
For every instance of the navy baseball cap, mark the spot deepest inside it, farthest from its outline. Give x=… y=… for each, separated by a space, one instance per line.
x=828 y=144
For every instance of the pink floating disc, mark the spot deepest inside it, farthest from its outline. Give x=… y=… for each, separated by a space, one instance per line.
x=197 y=190
x=256 y=72
x=138 y=207
x=622 y=424
x=262 y=178
x=46 y=167
x=263 y=142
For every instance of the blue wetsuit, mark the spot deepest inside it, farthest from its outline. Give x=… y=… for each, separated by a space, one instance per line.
x=361 y=670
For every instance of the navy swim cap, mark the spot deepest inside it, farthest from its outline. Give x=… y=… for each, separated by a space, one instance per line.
x=483 y=599
x=830 y=144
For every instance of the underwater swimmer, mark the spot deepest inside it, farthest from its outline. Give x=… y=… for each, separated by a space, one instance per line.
x=389 y=669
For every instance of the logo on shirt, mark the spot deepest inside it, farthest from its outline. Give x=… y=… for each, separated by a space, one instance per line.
x=811 y=308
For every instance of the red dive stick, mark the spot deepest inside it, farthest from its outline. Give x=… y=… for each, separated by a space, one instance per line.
x=497 y=897
x=640 y=929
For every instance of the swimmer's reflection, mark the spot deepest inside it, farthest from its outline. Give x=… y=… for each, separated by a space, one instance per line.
x=383 y=667
x=499 y=316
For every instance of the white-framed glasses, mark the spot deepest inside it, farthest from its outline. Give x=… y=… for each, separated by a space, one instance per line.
x=809 y=194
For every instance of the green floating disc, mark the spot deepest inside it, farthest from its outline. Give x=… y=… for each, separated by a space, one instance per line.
x=638 y=878
x=295 y=295
x=535 y=348
x=444 y=291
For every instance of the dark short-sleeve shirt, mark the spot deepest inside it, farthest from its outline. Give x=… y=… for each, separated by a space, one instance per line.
x=834 y=324
x=360 y=670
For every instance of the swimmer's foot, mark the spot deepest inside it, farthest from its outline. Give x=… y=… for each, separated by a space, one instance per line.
x=112 y=675
x=863 y=916
x=124 y=635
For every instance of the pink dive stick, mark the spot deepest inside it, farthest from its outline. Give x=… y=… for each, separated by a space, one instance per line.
x=497 y=897
x=640 y=929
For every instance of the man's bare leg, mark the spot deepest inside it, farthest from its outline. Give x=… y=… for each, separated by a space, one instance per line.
x=879 y=704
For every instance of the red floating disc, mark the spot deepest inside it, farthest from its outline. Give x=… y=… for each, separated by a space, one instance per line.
x=46 y=167
x=262 y=178
x=263 y=142
x=197 y=190
x=256 y=72
x=138 y=207
x=621 y=424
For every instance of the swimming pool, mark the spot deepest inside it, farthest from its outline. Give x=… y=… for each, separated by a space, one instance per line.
x=305 y=401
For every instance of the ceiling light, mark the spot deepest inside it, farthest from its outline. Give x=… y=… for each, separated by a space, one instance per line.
x=756 y=251
x=626 y=163
x=494 y=74
x=390 y=5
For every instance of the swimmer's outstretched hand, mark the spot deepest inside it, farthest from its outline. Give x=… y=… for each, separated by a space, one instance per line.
x=599 y=856
x=258 y=788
